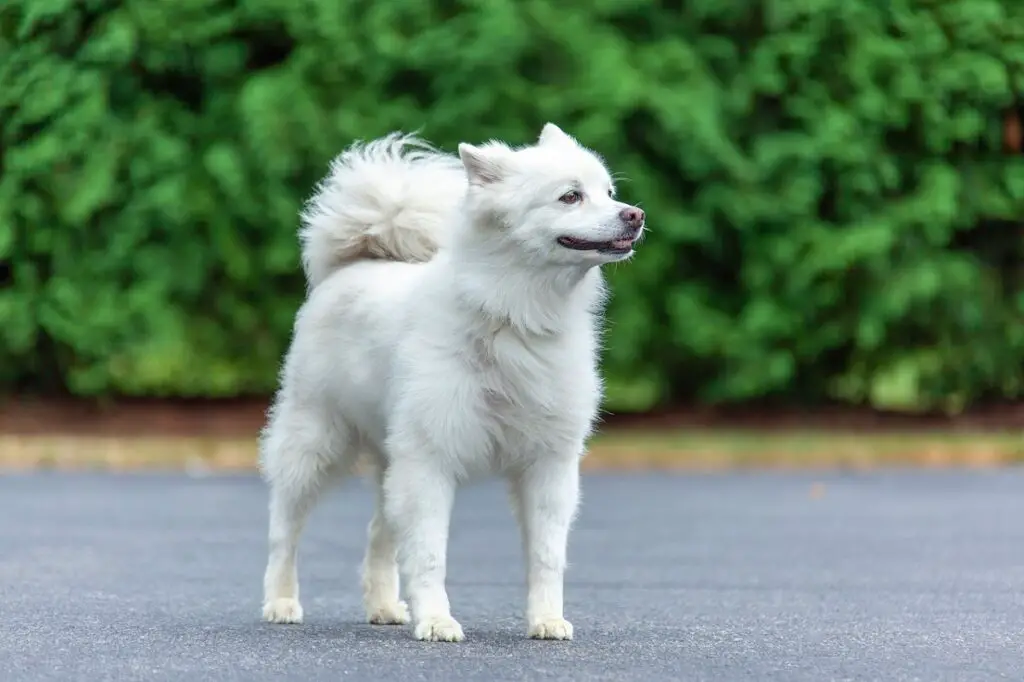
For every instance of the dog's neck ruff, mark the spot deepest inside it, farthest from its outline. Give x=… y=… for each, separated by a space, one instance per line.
x=544 y=301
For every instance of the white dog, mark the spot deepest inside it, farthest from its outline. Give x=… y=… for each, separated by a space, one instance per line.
x=450 y=331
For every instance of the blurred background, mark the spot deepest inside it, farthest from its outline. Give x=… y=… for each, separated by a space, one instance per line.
x=834 y=190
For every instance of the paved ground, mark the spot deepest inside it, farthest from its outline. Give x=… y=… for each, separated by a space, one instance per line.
x=739 y=577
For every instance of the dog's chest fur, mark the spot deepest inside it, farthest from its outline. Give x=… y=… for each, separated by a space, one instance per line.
x=536 y=391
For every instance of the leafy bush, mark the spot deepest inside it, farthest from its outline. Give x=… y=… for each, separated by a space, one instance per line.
x=832 y=215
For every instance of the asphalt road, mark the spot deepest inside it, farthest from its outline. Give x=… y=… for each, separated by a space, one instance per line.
x=727 y=577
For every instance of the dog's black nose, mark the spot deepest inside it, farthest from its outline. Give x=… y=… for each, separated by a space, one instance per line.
x=632 y=216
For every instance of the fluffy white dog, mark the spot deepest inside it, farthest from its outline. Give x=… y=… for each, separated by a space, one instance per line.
x=450 y=331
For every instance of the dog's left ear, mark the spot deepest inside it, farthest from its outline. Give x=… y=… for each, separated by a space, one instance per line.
x=552 y=134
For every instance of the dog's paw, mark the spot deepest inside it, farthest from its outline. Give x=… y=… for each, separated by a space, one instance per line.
x=396 y=613
x=282 y=611
x=550 y=628
x=439 y=629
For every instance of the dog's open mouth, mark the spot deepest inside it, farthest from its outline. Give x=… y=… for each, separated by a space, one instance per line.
x=616 y=246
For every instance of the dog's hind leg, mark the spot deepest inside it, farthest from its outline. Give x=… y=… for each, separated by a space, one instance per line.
x=380 y=568
x=300 y=454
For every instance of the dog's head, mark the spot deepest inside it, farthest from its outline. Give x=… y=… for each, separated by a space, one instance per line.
x=555 y=200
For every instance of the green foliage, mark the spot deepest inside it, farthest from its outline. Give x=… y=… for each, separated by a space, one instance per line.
x=831 y=215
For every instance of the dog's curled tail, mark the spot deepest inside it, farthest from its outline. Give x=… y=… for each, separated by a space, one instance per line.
x=392 y=198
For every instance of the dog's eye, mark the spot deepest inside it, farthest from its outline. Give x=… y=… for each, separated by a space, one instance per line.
x=572 y=197
x=611 y=192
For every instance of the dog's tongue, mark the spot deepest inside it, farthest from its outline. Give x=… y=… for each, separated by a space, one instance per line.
x=623 y=243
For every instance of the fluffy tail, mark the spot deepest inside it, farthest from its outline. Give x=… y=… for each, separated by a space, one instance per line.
x=392 y=198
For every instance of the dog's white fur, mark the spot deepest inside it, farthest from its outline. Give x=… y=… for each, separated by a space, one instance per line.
x=446 y=335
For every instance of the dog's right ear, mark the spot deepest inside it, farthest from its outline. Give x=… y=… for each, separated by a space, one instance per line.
x=484 y=165
x=552 y=134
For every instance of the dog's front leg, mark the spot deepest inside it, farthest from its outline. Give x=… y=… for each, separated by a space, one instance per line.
x=545 y=497
x=418 y=501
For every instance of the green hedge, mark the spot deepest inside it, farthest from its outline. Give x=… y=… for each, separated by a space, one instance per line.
x=832 y=216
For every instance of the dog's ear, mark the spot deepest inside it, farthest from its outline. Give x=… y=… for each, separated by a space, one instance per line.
x=552 y=134
x=484 y=165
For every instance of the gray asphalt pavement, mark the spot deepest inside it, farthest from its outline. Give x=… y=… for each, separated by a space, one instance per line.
x=889 y=576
